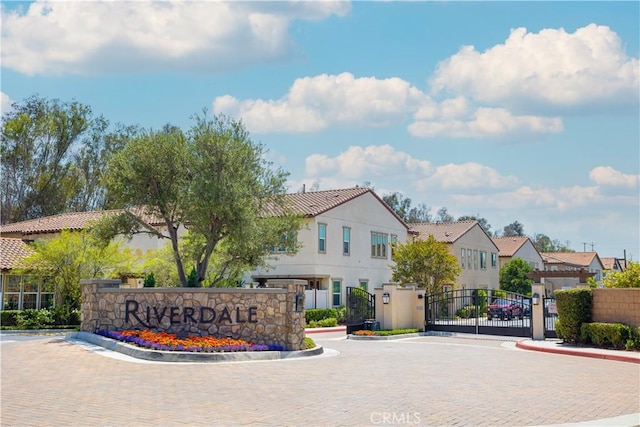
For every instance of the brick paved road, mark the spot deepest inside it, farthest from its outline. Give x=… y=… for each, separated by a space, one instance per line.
x=420 y=381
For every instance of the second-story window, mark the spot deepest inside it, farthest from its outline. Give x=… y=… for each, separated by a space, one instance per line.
x=378 y=245
x=483 y=260
x=346 y=240
x=494 y=259
x=462 y=262
x=322 y=238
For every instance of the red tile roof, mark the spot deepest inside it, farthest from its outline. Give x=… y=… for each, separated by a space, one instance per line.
x=314 y=203
x=12 y=250
x=508 y=246
x=582 y=259
x=56 y=223
x=447 y=232
x=609 y=263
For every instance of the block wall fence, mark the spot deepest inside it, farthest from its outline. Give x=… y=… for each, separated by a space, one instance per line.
x=616 y=305
x=272 y=315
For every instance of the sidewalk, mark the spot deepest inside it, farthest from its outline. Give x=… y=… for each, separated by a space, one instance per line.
x=556 y=346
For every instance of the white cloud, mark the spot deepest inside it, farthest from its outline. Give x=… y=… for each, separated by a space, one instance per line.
x=383 y=164
x=482 y=123
x=471 y=175
x=551 y=67
x=364 y=163
x=608 y=176
x=5 y=103
x=108 y=36
x=315 y=103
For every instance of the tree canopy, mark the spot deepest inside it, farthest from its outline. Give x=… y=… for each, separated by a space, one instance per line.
x=427 y=263
x=213 y=182
x=402 y=206
x=515 y=229
x=52 y=154
x=629 y=278
x=75 y=255
x=513 y=276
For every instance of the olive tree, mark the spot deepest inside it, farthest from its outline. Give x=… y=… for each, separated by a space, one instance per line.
x=211 y=184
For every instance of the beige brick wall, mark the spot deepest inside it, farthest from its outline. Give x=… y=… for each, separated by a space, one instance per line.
x=617 y=305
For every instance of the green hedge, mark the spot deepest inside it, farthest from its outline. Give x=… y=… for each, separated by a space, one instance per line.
x=612 y=335
x=324 y=323
x=318 y=314
x=574 y=309
x=469 y=311
x=8 y=317
x=39 y=319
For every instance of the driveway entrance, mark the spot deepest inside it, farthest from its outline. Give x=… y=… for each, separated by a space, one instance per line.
x=479 y=311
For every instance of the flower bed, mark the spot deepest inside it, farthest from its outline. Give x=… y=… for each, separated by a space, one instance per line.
x=170 y=342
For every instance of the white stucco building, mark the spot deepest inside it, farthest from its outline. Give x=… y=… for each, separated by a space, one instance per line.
x=345 y=242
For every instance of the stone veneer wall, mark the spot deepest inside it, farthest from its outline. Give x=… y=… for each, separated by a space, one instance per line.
x=261 y=315
x=616 y=305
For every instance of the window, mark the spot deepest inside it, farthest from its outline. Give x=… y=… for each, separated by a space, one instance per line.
x=346 y=241
x=322 y=238
x=337 y=291
x=483 y=260
x=462 y=252
x=27 y=292
x=494 y=259
x=286 y=240
x=469 y=259
x=364 y=284
x=475 y=259
x=394 y=241
x=378 y=245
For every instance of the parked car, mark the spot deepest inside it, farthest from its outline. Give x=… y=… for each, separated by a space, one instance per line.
x=526 y=307
x=505 y=309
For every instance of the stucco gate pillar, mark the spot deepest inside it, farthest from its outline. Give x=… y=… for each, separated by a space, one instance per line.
x=537 y=311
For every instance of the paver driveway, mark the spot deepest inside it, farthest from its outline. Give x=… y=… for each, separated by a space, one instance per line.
x=419 y=381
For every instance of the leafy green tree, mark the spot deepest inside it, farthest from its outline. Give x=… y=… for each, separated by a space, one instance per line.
x=482 y=222
x=514 y=229
x=443 y=215
x=543 y=243
x=52 y=154
x=213 y=182
x=427 y=263
x=402 y=207
x=513 y=276
x=629 y=278
x=72 y=256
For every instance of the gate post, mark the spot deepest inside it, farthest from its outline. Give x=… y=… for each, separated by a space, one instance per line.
x=537 y=311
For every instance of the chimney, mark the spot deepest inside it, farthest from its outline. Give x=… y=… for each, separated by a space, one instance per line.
x=304 y=188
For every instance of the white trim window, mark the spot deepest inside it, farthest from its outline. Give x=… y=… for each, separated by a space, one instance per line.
x=346 y=241
x=494 y=260
x=336 y=285
x=378 y=245
x=364 y=284
x=483 y=260
x=322 y=238
x=462 y=261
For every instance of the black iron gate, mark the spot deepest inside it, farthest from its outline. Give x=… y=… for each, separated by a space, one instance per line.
x=361 y=309
x=550 y=317
x=479 y=311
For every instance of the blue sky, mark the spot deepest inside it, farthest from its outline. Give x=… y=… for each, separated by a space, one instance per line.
x=514 y=111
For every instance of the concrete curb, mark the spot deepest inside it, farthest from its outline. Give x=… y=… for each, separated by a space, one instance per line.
x=383 y=338
x=578 y=352
x=323 y=330
x=176 y=356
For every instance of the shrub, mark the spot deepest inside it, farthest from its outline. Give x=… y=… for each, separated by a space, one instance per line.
x=34 y=319
x=149 y=281
x=65 y=315
x=390 y=332
x=614 y=335
x=317 y=314
x=574 y=309
x=8 y=317
x=468 y=311
x=309 y=343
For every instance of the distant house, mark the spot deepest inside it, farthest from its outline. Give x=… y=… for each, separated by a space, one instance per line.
x=345 y=242
x=612 y=265
x=51 y=226
x=18 y=291
x=518 y=247
x=574 y=268
x=477 y=254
